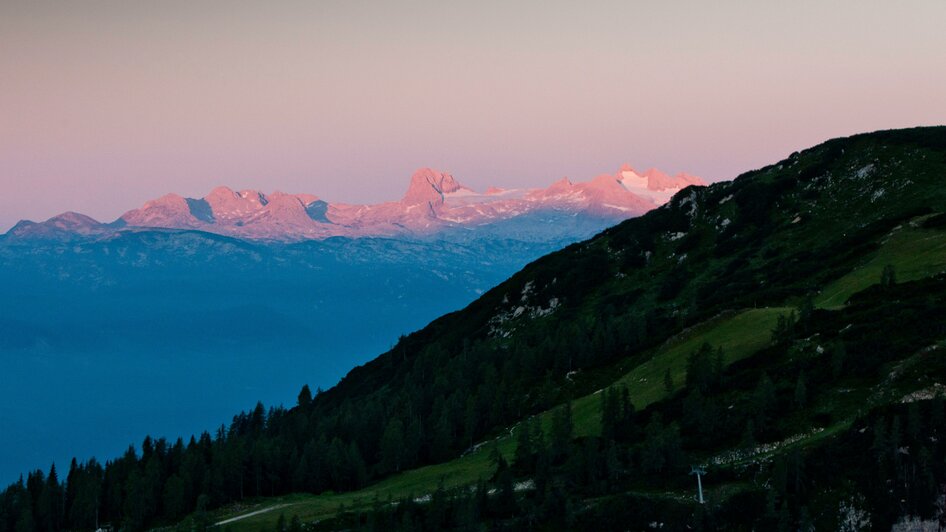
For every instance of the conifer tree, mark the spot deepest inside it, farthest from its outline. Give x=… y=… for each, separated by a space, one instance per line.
x=524 y=455
x=763 y=399
x=441 y=441
x=784 y=331
x=295 y=525
x=748 y=436
x=700 y=373
x=879 y=446
x=537 y=434
x=653 y=458
x=838 y=354
x=805 y=312
x=392 y=446
x=801 y=391
x=561 y=433
x=888 y=277
x=610 y=413
x=719 y=367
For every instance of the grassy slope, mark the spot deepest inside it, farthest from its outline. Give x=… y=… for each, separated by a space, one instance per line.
x=914 y=253
x=740 y=335
x=459 y=472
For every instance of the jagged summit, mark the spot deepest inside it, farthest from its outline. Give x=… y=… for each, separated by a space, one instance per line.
x=225 y=202
x=429 y=185
x=434 y=201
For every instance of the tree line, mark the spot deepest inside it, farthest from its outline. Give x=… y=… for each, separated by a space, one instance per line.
x=437 y=402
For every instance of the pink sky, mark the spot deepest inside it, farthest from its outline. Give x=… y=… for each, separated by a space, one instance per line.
x=106 y=104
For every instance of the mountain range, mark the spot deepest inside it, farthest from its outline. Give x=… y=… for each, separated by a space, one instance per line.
x=181 y=287
x=764 y=353
x=434 y=204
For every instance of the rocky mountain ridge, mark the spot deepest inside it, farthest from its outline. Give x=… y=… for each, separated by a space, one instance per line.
x=434 y=202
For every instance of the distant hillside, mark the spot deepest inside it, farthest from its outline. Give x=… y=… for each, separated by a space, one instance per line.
x=782 y=331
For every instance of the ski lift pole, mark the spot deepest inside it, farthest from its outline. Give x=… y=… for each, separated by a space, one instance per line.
x=699 y=472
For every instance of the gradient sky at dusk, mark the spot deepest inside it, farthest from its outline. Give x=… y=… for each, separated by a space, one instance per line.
x=106 y=104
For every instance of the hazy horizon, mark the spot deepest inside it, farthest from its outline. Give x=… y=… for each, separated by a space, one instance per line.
x=109 y=104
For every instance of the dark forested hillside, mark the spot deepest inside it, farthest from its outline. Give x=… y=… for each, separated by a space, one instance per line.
x=803 y=234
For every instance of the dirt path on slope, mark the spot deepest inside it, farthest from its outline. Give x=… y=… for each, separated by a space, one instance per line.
x=251 y=514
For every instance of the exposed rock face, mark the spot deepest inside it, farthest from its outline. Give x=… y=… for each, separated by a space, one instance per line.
x=429 y=186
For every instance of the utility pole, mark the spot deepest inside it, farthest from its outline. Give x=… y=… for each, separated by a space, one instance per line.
x=699 y=472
